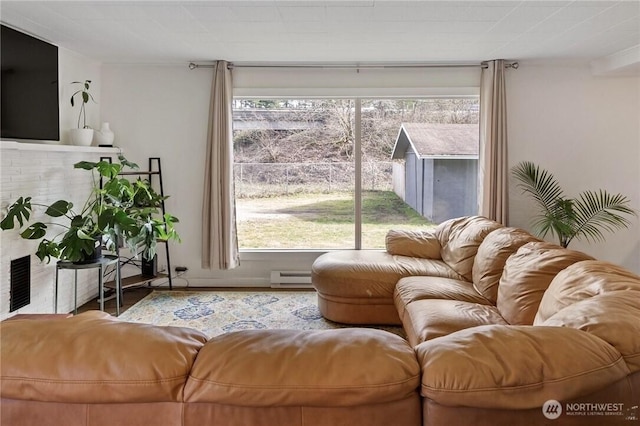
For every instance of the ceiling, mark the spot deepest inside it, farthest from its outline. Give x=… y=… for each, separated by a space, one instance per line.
x=335 y=31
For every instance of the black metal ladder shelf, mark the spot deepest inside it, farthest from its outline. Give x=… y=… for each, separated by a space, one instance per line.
x=155 y=169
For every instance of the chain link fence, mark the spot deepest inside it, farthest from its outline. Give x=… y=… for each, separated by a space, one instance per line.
x=276 y=179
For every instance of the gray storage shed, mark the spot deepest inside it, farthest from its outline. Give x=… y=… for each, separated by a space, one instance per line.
x=439 y=174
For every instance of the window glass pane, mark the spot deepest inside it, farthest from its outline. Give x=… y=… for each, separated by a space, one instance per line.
x=432 y=176
x=294 y=173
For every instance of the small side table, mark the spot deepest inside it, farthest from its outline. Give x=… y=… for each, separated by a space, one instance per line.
x=101 y=264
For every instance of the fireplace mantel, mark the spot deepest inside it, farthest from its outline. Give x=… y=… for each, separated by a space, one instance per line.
x=55 y=147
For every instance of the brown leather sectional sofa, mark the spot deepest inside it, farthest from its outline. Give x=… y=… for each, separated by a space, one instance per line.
x=501 y=322
x=93 y=370
x=499 y=327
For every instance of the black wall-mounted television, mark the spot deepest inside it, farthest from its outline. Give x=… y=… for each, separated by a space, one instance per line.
x=30 y=107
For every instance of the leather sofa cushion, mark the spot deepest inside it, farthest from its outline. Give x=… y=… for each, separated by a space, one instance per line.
x=600 y=298
x=344 y=367
x=583 y=280
x=374 y=274
x=429 y=319
x=93 y=358
x=516 y=367
x=491 y=257
x=613 y=317
x=410 y=289
x=424 y=244
x=460 y=239
x=527 y=275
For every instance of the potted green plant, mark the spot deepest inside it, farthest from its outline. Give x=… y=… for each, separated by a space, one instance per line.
x=82 y=135
x=571 y=218
x=116 y=210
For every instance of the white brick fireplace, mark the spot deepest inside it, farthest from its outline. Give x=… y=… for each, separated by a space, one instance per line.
x=45 y=173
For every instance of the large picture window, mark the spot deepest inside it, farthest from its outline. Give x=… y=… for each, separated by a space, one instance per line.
x=339 y=173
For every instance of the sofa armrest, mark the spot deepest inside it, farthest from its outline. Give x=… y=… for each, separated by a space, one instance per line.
x=516 y=367
x=422 y=244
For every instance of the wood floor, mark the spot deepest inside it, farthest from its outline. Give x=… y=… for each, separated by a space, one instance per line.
x=131 y=297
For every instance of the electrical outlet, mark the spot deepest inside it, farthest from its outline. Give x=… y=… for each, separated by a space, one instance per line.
x=181 y=269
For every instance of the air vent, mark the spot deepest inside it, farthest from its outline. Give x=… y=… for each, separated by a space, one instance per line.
x=20 y=283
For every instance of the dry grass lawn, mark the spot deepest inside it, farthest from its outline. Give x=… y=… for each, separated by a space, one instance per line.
x=321 y=221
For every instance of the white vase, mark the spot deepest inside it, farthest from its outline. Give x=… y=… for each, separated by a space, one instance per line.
x=104 y=136
x=81 y=137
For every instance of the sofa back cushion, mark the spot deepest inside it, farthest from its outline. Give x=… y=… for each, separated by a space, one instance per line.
x=600 y=298
x=265 y=368
x=527 y=275
x=423 y=244
x=93 y=358
x=460 y=239
x=491 y=257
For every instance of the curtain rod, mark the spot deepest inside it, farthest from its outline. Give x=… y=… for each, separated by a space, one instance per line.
x=514 y=65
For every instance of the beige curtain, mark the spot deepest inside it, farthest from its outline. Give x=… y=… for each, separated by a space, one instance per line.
x=219 y=237
x=492 y=166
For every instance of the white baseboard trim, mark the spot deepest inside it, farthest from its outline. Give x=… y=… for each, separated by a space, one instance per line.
x=183 y=282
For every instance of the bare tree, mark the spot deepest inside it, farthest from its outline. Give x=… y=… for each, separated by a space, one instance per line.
x=323 y=129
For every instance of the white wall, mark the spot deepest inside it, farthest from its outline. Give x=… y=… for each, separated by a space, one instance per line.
x=367 y=82
x=585 y=130
x=162 y=112
x=75 y=67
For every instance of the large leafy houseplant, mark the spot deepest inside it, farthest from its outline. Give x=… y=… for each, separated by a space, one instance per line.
x=116 y=210
x=586 y=216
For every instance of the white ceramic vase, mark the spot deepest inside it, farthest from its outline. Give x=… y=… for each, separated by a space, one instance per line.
x=81 y=137
x=104 y=136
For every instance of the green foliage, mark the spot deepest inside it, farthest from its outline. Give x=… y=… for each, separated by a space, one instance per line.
x=85 y=96
x=35 y=231
x=104 y=168
x=59 y=208
x=20 y=211
x=121 y=209
x=46 y=250
x=567 y=218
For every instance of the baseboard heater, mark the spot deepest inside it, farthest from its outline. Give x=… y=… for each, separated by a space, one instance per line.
x=291 y=279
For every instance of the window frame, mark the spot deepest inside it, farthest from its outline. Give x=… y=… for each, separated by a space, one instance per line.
x=433 y=93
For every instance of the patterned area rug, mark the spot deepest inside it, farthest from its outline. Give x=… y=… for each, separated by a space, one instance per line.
x=217 y=312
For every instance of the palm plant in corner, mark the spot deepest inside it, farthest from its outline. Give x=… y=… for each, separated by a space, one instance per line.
x=571 y=218
x=116 y=210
